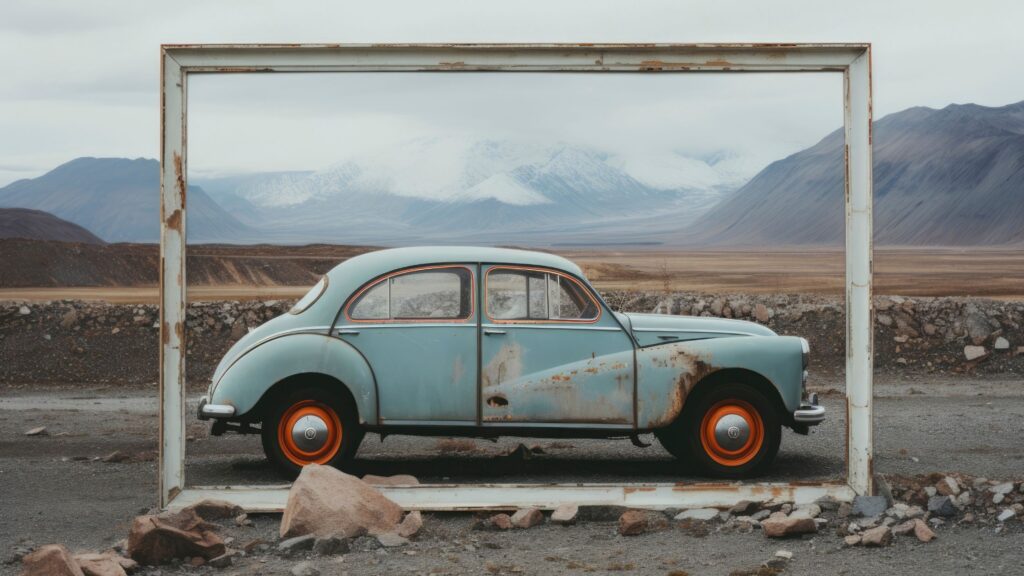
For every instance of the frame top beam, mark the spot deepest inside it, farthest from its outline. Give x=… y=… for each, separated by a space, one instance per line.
x=226 y=58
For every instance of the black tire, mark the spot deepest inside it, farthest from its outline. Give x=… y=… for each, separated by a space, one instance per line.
x=684 y=438
x=324 y=401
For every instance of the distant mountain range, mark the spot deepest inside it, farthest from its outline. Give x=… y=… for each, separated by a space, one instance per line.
x=952 y=177
x=118 y=200
x=39 y=225
x=454 y=190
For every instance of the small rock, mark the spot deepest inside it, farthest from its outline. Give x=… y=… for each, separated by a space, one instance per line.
x=744 y=508
x=632 y=522
x=880 y=536
x=297 y=544
x=852 y=540
x=500 y=522
x=761 y=313
x=411 y=524
x=783 y=527
x=974 y=352
x=222 y=561
x=396 y=480
x=1005 y=515
x=1004 y=488
x=703 y=514
x=806 y=511
x=527 y=517
x=40 y=431
x=51 y=560
x=330 y=546
x=1001 y=344
x=391 y=540
x=922 y=531
x=155 y=539
x=761 y=515
x=869 y=506
x=325 y=501
x=904 y=528
x=948 y=486
x=100 y=564
x=243 y=520
x=212 y=509
x=24 y=311
x=115 y=457
x=565 y=514
x=964 y=499
x=784 y=554
x=305 y=569
x=941 y=506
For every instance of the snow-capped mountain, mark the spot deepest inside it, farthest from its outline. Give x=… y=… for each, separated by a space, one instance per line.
x=461 y=189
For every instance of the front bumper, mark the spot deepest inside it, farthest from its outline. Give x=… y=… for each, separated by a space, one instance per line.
x=207 y=410
x=810 y=412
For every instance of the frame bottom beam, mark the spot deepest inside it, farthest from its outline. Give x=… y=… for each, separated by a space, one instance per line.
x=463 y=497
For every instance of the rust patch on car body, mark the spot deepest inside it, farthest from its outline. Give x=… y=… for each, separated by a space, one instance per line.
x=506 y=365
x=692 y=369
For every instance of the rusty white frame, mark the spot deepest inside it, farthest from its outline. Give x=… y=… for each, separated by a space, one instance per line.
x=853 y=61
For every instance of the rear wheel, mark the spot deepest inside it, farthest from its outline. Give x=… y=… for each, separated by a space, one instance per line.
x=310 y=425
x=730 y=431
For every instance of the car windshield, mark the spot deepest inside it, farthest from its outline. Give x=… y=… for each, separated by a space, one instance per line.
x=310 y=297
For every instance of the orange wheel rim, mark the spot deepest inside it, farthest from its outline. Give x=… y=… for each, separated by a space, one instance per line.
x=310 y=415
x=729 y=414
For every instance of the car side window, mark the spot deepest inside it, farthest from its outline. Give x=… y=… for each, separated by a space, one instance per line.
x=429 y=294
x=537 y=296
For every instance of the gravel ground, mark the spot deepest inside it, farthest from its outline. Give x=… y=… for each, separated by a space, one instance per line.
x=51 y=489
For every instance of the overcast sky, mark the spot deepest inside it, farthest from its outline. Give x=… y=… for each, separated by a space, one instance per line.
x=81 y=78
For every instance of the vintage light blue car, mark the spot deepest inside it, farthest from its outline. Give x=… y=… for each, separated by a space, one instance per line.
x=486 y=342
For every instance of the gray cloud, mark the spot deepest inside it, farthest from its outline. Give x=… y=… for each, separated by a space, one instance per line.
x=81 y=78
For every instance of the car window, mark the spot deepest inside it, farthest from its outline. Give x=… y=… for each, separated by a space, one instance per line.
x=437 y=293
x=569 y=300
x=514 y=294
x=372 y=304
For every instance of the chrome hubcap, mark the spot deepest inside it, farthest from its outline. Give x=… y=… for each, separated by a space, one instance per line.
x=732 y=432
x=309 y=433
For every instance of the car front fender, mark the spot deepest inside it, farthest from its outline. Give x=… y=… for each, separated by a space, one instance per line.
x=668 y=372
x=250 y=376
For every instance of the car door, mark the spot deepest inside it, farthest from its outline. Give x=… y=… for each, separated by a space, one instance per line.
x=550 y=354
x=417 y=329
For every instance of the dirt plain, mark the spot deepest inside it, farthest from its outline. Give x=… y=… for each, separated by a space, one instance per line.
x=128 y=272
x=55 y=488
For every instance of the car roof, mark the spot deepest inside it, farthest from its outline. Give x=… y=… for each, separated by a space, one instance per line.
x=379 y=262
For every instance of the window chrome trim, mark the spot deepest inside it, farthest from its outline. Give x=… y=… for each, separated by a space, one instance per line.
x=553 y=326
x=361 y=326
x=693 y=331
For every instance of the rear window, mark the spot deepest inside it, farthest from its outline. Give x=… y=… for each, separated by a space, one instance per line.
x=430 y=294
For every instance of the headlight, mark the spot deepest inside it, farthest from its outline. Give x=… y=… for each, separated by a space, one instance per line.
x=805 y=349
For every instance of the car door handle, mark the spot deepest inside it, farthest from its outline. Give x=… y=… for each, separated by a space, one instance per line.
x=663 y=337
x=492 y=332
x=348 y=332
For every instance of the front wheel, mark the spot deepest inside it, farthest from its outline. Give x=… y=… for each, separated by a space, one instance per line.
x=731 y=431
x=310 y=426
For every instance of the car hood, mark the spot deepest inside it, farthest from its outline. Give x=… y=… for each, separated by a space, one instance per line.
x=659 y=328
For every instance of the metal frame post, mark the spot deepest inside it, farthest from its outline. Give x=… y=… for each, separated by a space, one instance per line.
x=852 y=60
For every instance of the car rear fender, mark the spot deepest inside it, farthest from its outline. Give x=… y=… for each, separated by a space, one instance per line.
x=252 y=375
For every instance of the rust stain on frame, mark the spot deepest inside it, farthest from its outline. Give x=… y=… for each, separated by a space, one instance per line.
x=179 y=179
